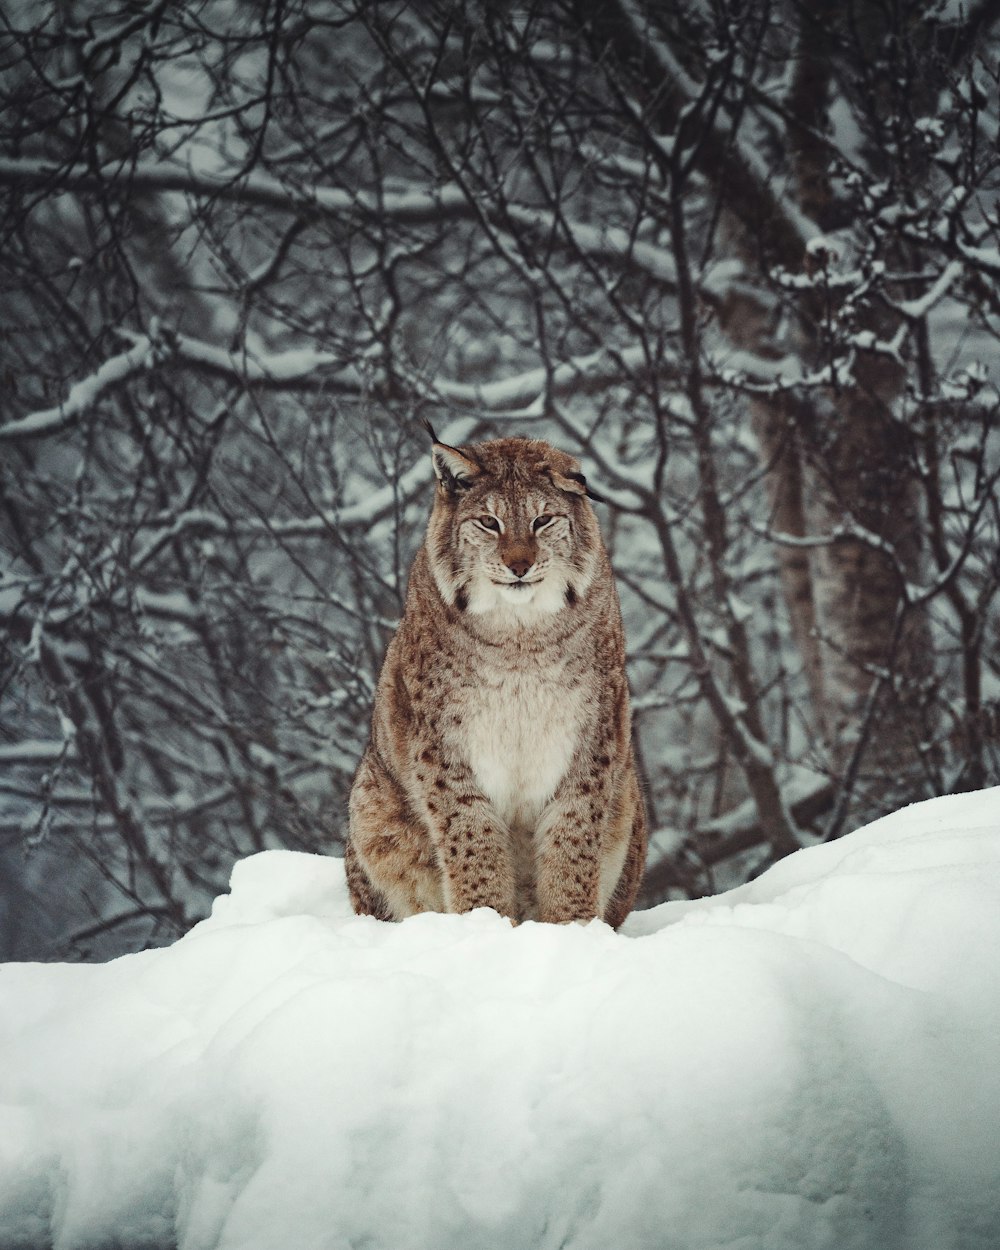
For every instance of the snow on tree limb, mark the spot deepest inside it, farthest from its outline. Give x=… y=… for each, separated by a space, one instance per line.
x=524 y=394
x=419 y=206
x=296 y=367
x=259 y=189
x=610 y=241
x=359 y=514
x=82 y=395
x=32 y=751
x=917 y=308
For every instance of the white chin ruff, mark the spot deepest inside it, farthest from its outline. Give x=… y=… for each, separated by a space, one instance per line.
x=540 y=598
x=520 y=594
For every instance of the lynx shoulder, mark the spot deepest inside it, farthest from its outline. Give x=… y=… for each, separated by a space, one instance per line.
x=500 y=771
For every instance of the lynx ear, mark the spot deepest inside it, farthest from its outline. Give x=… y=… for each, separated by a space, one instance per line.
x=453 y=469
x=576 y=484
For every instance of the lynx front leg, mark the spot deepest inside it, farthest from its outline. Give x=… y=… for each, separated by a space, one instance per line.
x=472 y=843
x=568 y=857
x=392 y=867
x=572 y=849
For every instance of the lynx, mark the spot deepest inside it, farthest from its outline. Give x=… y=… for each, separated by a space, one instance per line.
x=500 y=772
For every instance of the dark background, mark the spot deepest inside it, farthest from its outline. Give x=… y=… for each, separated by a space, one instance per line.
x=742 y=259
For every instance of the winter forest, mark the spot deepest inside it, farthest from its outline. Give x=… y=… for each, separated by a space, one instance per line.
x=740 y=258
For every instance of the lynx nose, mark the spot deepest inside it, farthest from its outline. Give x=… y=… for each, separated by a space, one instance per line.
x=519 y=567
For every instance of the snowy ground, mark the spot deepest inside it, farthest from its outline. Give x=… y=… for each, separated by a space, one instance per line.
x=812 y=1060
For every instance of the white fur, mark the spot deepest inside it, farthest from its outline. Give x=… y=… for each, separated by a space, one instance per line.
x=519 y=605
x=519 y=741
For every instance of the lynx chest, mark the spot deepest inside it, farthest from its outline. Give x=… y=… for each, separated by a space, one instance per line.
x=519 y=733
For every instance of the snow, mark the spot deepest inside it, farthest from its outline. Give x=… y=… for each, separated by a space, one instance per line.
x=525 y=393
x=917 y=308
x=82 y=395
x=296 y=365
x=416 y=205
x=811 y=1060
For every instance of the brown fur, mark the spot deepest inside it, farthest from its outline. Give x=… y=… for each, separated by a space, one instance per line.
x=500 y=771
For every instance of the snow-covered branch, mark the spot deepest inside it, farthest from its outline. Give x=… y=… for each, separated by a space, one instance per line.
x=415 y=207
x=407 y=207
x=82 y=395
x=32 y=752
x=292 y=369
x=939 y=288
x=524 y=395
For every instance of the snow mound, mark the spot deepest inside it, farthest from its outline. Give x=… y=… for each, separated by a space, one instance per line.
x=812 y=1060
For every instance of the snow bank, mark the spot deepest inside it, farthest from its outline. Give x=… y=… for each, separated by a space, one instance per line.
x=812 y=1060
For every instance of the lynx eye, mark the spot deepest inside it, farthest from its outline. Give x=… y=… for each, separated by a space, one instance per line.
x=540 y=522
x=489 y=523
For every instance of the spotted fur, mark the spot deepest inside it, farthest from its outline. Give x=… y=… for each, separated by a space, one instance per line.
x=500 y=770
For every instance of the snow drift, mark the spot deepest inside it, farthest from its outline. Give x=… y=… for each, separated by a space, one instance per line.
x=812 y=1060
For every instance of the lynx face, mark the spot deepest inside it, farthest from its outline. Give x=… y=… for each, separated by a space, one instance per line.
x=511 y=533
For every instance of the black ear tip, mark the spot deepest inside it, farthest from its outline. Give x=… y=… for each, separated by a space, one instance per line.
x=588 y=490
x=430 y=429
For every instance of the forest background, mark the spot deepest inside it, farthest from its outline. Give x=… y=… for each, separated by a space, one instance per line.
x=740 y=258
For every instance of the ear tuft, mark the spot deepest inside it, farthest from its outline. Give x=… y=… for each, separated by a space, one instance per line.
x=576 y=484
x=453 y=469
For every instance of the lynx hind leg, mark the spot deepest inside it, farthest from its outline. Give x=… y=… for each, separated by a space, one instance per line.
x=627 y=887
x=391 y=864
